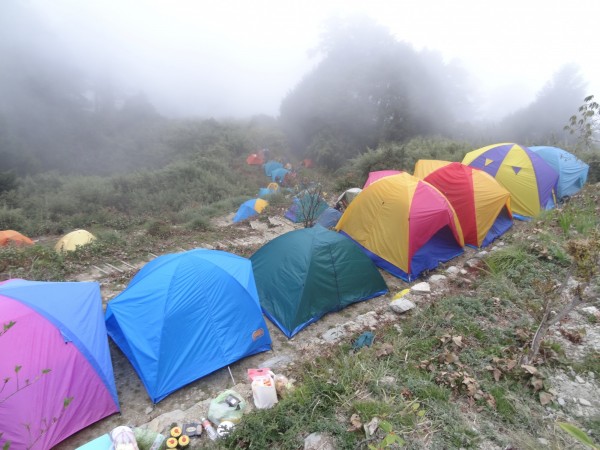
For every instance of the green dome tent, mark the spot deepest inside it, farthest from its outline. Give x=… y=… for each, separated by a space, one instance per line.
x=304 y=274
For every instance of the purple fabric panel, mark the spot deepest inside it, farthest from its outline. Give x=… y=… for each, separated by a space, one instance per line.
x=36 y=398
x=496 y=154
x=546 y=177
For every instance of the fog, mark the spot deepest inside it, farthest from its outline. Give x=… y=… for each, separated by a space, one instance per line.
x=239 y=58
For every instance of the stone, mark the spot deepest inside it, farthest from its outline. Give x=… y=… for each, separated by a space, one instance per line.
x=561 y=401
x=368 y=319
x=160 y=423
x=438 y=280
x=473 y=262
x=387 y=380
x=421 y=288
x=334 y=334
x=452 y=270
x=543 y=441
x=579 y=379
x=279 y=360
x=401 y=305
x=481 y=254
x=584 y=402
x=319 y=441
x=148 y=410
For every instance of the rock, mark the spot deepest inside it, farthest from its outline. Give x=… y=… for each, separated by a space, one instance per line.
x=543 y=441
x=561 y=401
x=452 y=270
x=438 y=280
x=388 y=380
x=473 y=262
x=584 y=402
x=401 y=305
x=481 y=254
x=148 y=410
x=334 y=334
x=279 y=360
x=256 y=225
x=579 y=379
x=160 y=423
x=368 y=319
x=591 y=311
x=319 y=441
x=463 y=272
x=421 y=288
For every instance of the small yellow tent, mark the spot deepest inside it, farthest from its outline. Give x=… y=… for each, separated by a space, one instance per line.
x=69 y=242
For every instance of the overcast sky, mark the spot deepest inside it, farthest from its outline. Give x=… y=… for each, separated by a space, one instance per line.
x=239 y=58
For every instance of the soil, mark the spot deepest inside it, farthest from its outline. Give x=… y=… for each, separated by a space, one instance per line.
x=192 y=401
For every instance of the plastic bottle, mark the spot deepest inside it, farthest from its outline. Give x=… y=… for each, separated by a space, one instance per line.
x=210 y=430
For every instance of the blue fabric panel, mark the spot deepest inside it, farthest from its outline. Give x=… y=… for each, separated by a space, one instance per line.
x=441 y=247
x=500 y=226
x=75 y=308
x=329 y=218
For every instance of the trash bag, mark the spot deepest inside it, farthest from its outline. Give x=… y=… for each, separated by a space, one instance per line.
x=148 y=439
x=123 y=438
x=227 y=406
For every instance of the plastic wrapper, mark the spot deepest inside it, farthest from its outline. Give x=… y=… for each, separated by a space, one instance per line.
x=123 y=438
x=148 y=439
x=227 y=406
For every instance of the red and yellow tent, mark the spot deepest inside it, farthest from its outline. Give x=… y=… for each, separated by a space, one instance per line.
x=404 y=224
x=481 y=203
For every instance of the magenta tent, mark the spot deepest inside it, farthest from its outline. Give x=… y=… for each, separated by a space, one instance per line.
x=378 y=175
x=56 y=375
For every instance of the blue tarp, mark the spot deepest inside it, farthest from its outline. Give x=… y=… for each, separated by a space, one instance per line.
x=329 y=218
x=572 y=172
x=278 y=175
x=186 y=315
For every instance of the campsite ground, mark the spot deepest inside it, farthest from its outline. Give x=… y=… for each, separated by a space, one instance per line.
x=576 y=395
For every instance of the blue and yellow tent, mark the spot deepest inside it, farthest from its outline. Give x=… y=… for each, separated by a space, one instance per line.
x=404 y=224
x=529 y=179
x=250 y=208
x=572 y=172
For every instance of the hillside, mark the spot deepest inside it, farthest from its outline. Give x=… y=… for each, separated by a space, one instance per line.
x=447 y=374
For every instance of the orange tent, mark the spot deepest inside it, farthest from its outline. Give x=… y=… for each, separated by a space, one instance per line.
x=308 y=163
x=255 y=159
x=13 y=237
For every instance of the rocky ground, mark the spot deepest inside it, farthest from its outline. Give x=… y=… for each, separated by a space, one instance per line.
x=577 y=395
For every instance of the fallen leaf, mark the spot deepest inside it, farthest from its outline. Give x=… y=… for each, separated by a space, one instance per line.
x=457 y=341
x=510 y=364
x=532 y=370
x=497 y=374
x=545 y=398
x=356 y=423
x=371 y=427
x=384 y=350
x=537 y=384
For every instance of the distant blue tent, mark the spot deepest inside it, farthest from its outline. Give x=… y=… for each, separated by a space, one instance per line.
x=250 y=208
x=572 y=172
x=278 y=175
x=305 y=205
x=270 y=166
x=329 y=218
x=186 y=315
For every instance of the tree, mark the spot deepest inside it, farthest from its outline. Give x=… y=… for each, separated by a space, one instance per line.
x=586 y=124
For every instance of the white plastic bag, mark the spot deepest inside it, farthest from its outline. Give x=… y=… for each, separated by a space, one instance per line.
x=123 y=438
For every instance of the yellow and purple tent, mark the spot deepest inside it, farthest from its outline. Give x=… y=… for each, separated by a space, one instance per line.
x=404 y=224
x=529 y=179
x=481 y=203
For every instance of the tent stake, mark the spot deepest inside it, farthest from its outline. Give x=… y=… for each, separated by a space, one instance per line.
x=231 y=375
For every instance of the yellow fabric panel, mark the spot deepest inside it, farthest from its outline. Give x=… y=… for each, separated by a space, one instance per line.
x=490 y=197
x=273 y=186
x=378 y=218
x=74 y=239
x=523 y=184
x=424 y=167
x=260 y=204
x=469 y=157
